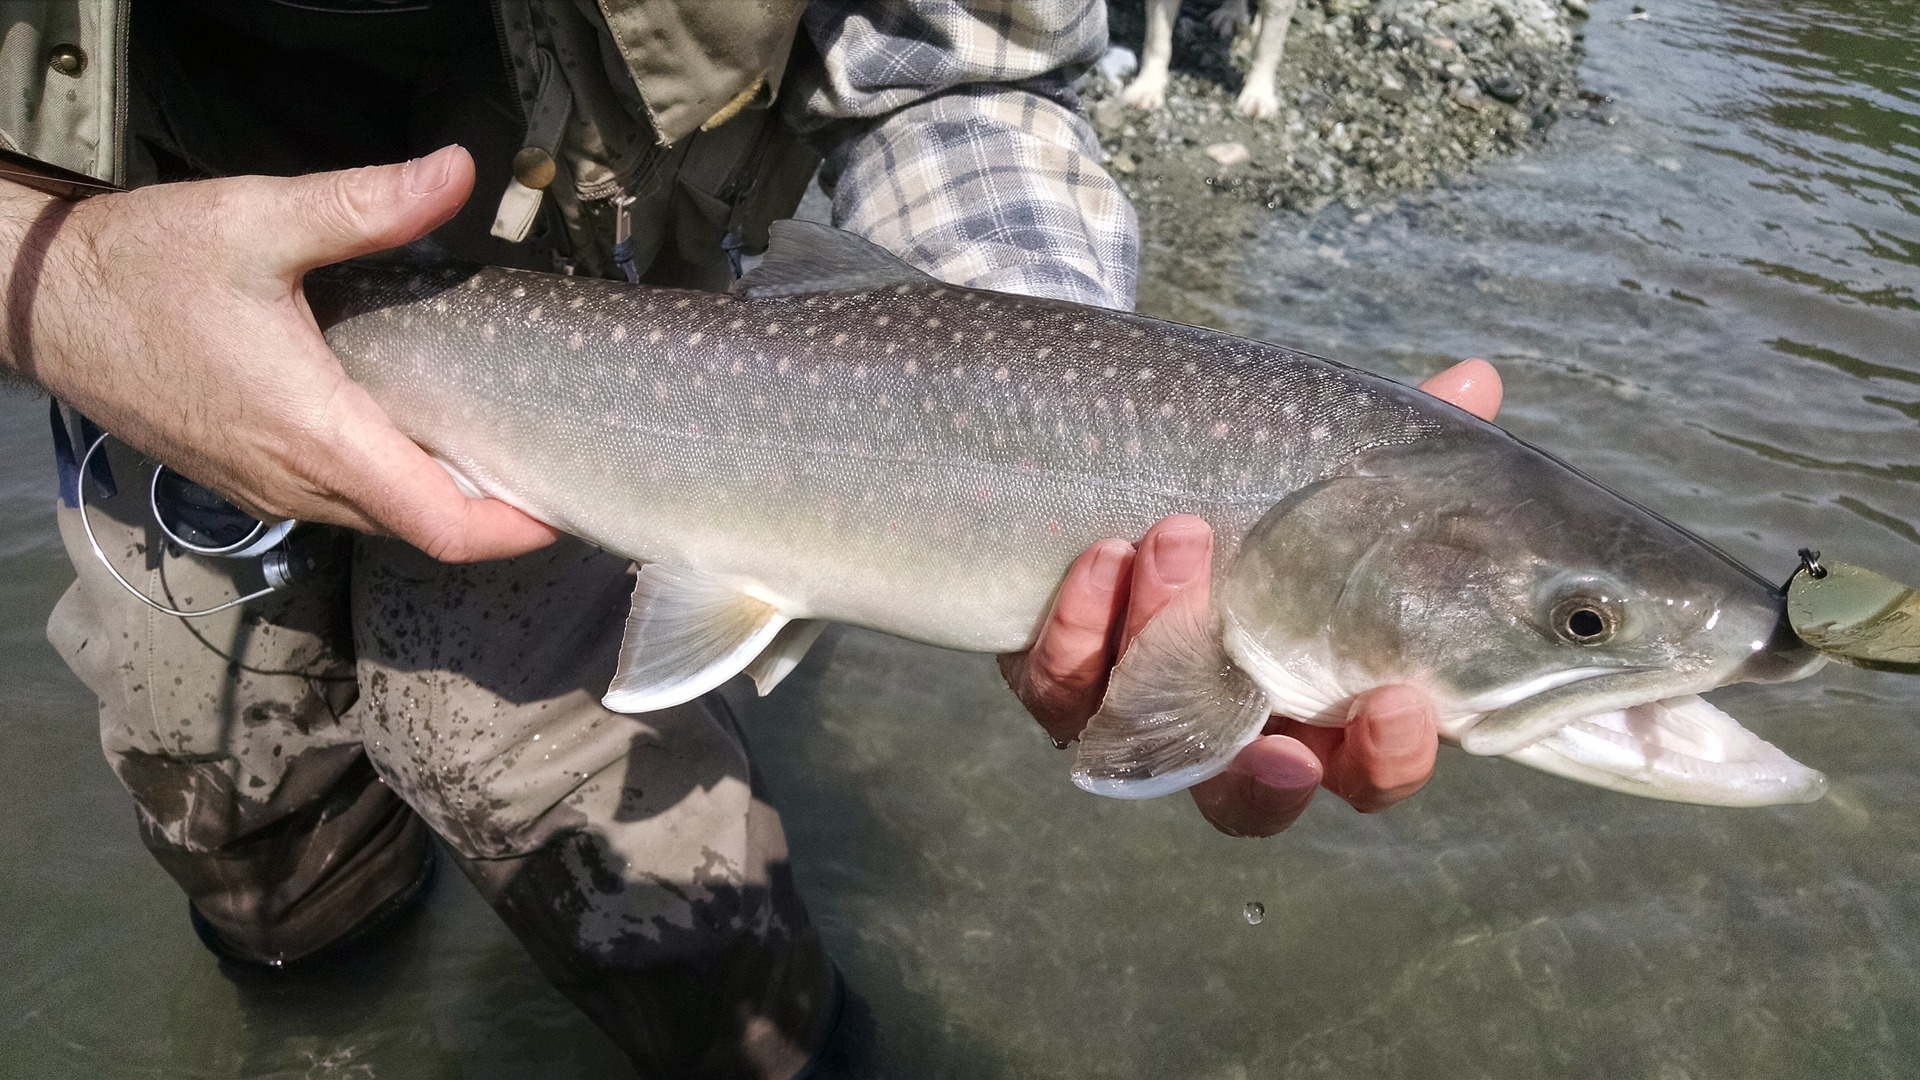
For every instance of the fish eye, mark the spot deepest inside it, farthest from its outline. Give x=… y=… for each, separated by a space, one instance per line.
x=1584 y=620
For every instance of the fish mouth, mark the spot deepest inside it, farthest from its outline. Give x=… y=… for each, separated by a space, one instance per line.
x=1681 y=749
x=1645 y=733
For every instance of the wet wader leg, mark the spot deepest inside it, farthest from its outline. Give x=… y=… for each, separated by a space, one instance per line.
x=251 y=790
x=631 y=854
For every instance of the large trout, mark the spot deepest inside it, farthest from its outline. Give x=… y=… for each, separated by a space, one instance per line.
x=845 y=438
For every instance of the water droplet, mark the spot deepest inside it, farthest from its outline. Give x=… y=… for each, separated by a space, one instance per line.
x=1255 y=912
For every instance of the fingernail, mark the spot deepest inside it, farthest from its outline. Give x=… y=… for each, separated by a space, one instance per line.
x=1180 y=554
x=1287 y=772
x=1397 y=728
x=1109 y=564
x=429 y=174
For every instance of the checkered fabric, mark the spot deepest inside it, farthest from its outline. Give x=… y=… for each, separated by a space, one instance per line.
x=953 y=139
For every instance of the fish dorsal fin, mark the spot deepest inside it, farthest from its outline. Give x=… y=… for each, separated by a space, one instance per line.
x=687 y=633
x=1177 y=710
x=808 y=257
x=789 y=647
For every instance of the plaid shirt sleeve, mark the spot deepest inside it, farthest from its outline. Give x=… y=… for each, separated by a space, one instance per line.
x=952 y=139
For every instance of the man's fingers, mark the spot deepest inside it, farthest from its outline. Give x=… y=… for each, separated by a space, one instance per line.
x=298 y=223
x=1061 y=678
x=1175 y=555
x=1472 y=385
x=1386 y=751
x=412 y=497
x=1266 y=789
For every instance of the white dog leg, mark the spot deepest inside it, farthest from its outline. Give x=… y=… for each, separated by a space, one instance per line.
x=1149 y=90
x=1257 y=99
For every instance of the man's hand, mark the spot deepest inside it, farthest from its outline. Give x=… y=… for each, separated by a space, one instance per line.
x=1385 y=752
x=173 y=317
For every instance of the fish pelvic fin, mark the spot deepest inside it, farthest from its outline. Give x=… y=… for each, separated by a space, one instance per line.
x=686 y=634
x=787 y=649
x=807 y=257
x=1177 y=710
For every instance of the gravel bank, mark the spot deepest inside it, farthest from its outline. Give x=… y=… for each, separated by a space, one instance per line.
x=1377 y=97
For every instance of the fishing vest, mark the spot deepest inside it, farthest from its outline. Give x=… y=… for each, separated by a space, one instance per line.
x=648 y=123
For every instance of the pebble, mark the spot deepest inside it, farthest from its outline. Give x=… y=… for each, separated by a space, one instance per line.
x=1229 y=154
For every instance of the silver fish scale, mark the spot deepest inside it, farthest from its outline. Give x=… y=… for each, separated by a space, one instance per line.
x=922 y=459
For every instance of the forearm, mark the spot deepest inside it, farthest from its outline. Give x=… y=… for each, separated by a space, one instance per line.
x=39 y=256
x=994 y=187
x=952 y=139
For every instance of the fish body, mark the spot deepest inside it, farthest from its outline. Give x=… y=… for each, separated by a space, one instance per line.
x=848 y=440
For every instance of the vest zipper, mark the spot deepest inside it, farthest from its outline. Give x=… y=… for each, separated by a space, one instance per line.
x=122 y=49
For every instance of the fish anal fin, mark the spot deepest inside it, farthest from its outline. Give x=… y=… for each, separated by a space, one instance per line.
x=808 y=257
x=686 y=634
x=784 y=653
x=1177 y=710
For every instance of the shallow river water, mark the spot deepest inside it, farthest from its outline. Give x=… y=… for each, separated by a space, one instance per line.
x=1710 y=304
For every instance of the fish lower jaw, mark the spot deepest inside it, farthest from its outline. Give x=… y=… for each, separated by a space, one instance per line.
x=1678 y=749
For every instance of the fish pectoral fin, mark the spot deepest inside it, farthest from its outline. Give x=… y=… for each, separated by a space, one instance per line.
x=687 y=633
x=1177 y=710
x=807 y=257
x=784 y=654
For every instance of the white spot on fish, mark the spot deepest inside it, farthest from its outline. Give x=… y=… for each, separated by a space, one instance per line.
x=619 y=332
x=1133 y=448
x=654 y=335
x=1319 y=433
x=1221 y=430
x=882 y=320
x=488 y=333
x=1109 y=371
x=959 y=372
x=1069 y=375
x=839 y=339
x=912 y=368
x=773 y=329
x=1190 y=367
x=1001 y=375
x=1043 y=352
x=534 y=315
x=933 y=324
x=574 y=341
x=884 y=401
x=859 y=371
x=1260 y=435
x=519 y=292
x=783 y=366
x=1144 y=374
x=577 y=303
x=696 y=337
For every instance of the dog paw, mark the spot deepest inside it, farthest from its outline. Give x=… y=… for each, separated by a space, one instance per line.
x=1145 y=93
x=1258 y=102
x=1228 y=18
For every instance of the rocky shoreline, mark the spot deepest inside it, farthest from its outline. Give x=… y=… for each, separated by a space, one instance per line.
x=1377 y=97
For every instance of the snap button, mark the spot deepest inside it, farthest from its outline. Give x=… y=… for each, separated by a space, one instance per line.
x=533 y=166
x=67 y=59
